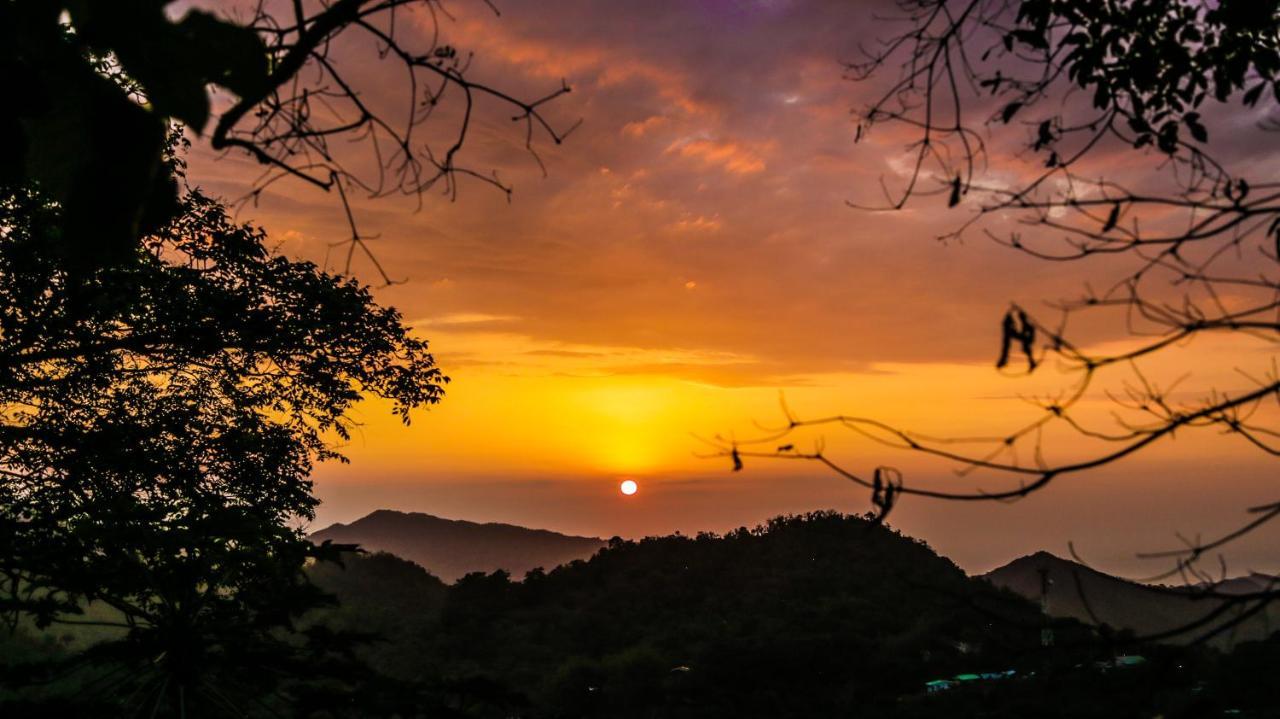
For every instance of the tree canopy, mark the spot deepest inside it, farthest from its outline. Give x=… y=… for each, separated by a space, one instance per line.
x=161 y=421
x=169 y=382
x=814 y=615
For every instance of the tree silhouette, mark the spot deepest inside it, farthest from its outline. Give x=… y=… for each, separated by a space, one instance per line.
x=168 y=383
x=1066 y=96
x=161 y=420
x=101 y=83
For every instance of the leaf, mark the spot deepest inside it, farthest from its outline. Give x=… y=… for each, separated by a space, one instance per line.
x=1112 y=219
x=1027 y=338
x=1167 y=140
x=1009 y=111
x=1237 y=191
x=1192 y=121
x=1101 y=96
x=1007 y=331
x=955 y=193
x=1044 y=134
x=1030 y=37
x=1251 y=97
x=1017 y=327
x=1139 y=108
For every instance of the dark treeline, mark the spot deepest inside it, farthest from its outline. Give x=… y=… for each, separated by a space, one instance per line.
x=810 y=616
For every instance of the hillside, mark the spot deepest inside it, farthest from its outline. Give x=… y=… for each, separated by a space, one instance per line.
x=804 y=616
x=1081 y=593
x=450 y=548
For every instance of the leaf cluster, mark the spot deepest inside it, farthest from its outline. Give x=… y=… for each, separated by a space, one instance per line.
x=96 y=85
x=1156 y=61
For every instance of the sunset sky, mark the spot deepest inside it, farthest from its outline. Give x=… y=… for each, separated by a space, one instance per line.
x=689 y=257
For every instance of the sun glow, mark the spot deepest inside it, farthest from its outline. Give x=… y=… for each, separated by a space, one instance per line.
x=628 y=487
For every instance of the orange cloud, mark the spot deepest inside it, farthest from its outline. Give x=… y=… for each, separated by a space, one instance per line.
x=698 y=224
x=729 y=156
x=642 y=127
x=551 y=58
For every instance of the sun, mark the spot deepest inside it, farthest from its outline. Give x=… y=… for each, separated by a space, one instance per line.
x=628 y=487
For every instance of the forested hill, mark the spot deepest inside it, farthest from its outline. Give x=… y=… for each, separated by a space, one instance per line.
x=804 y=616
x=450 y=548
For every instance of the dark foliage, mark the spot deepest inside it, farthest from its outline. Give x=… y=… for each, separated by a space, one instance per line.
x=381 y=595
x=166 y=383
x=161 y=420
x=97 y=86
x=85 y=138
x=804 y=616
x=811 y=616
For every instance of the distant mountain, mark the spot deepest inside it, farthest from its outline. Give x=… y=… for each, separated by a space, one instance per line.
x=1251 y=583
x=450 y=548
x=1093 y=597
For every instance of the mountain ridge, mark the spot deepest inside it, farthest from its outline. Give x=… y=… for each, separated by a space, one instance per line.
x=377 y=513
x=1077 y=591
x=801 y=616
x=452 y=548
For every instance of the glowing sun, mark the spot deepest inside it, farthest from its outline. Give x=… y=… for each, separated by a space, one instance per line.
x=628 y=487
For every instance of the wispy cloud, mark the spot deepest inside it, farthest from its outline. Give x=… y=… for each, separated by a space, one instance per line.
x=730 y=156
x=462 y=318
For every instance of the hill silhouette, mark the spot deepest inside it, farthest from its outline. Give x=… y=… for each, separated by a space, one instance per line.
x=1079 y=592
x=450 y=548
x=802 y=616
x=805 y=616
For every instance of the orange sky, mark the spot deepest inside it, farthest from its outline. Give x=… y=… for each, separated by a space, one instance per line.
x=688 y=256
